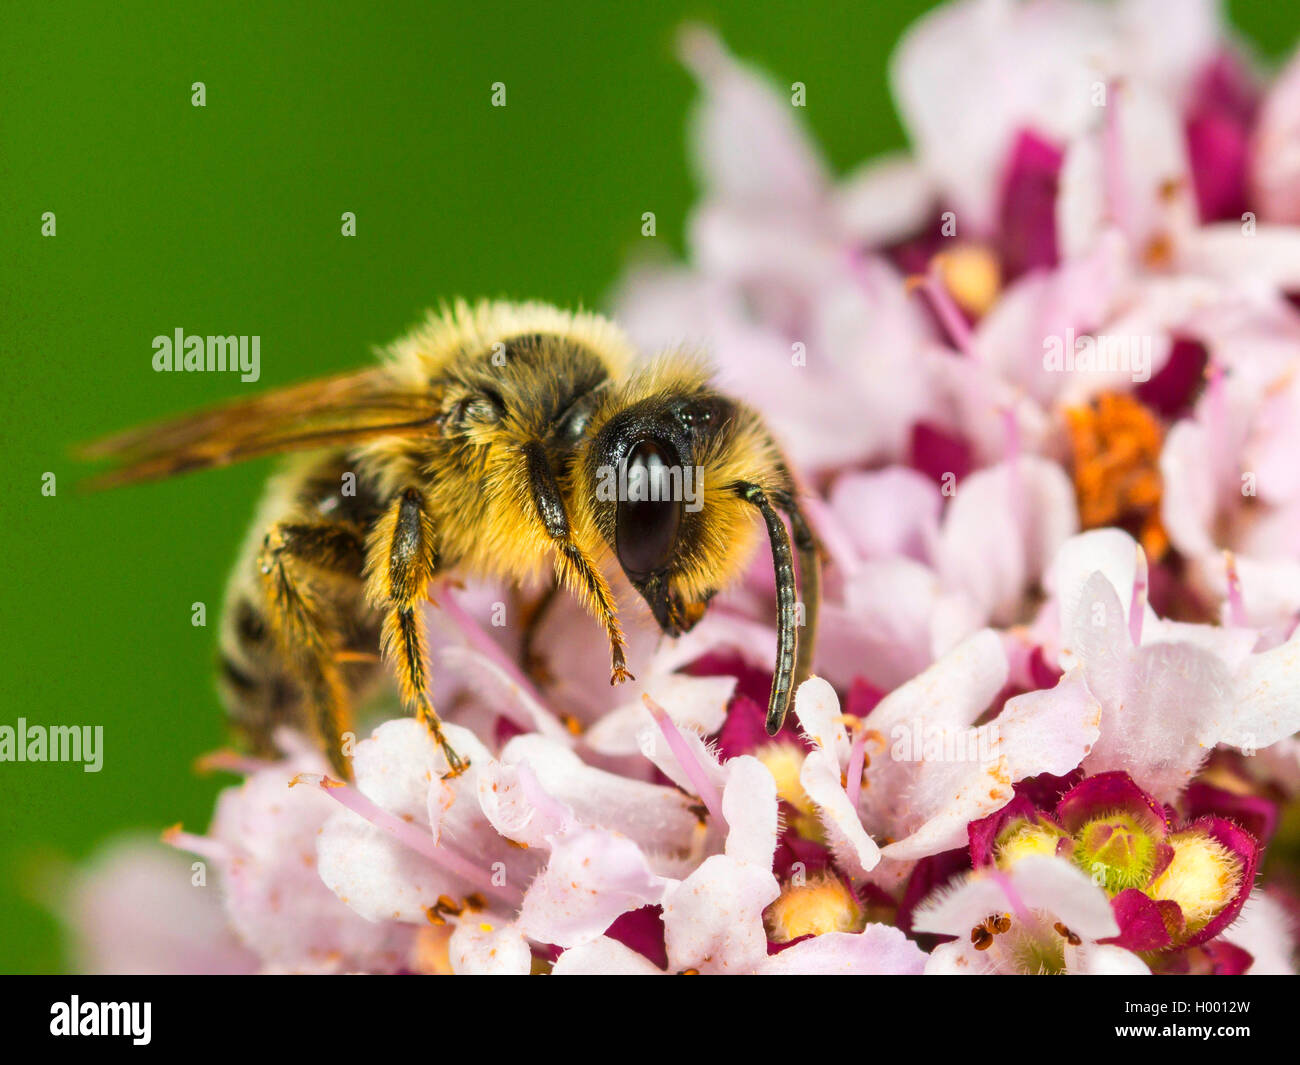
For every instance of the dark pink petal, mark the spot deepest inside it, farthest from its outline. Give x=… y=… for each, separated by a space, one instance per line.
x=863 y=697
x=937 y=453
x=1094 y=796
x=743 y=731
x=643 y=931
x=1045 y=790
x=1043 y=673
x=1228 y=959
x=1164 y=859
x=984 y=833
x=1241 y=843
x=914 y=255
x=750 y=682
x=1027 y=215
x=1145 y=924
x=774 y=947
x=1218 y=125
x=1256 y=814
x=928 y=874
x=793 y=849
x=1172 y=596
x=505 y=730
x=1173 y=387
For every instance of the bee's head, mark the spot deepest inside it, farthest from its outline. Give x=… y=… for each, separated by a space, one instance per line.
x=677 y=475
x=655 y=502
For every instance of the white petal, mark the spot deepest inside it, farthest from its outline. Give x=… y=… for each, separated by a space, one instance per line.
x=1267 y=932
x=1002 y=527
x=1111 y=552
x=378 y=877
x=656 y=817
x=504 y=796
x=894 y=511
x=818 y=709
x=878 y=950
x=886 y=200
x=396 y=766
x=820 y=777
x=604 y=957
x=697 y=703
x=750 y=809
x=496 y=686
x=959 y=958
x=748 y=145
x=1188 y=500
x=1163 y=705
x=1039 y=732
x=1038 y=883
x=713 y=920
x=1098 y=959
x=1266 y=698
x=954 y=691
x=1059 y=887
x=593 y=877
x=484 y=949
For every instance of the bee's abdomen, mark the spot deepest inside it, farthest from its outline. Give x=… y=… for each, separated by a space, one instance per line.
x=254 y=680
x=262 y=649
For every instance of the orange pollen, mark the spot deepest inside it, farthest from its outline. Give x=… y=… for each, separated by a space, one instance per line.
x=1158 y=254
x=1115 y=442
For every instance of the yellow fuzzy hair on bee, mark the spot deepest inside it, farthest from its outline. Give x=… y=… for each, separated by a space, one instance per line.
x=496 y=440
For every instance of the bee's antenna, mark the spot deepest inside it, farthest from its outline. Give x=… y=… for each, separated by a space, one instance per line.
x=778 y=703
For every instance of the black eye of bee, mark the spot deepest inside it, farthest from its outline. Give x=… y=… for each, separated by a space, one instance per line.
x=649 y=508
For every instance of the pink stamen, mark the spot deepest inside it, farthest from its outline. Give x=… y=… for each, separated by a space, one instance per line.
x=1138 y=603
x=541 y=800
x=1011 y=432
x=947 y=311
x=1236 y=605
x=1013 y=896
x=857 y=264
x=857 y=758
x=409 y=834
x=204 y=846
x=488 y=647
x=691 y=766
x=1117 y=200
x=1217 y=418
x=1015 y=482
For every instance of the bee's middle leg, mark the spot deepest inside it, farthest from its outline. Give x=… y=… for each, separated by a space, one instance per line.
x=401 y=559
x=534 y=615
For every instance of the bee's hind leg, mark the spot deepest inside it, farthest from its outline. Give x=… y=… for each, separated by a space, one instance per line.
x=401 y=558
x=298 y=564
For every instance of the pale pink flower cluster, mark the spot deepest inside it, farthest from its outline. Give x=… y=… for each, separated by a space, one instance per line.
x=996 y=694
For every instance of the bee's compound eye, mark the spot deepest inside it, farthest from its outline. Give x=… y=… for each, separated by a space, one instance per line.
x=649 y=508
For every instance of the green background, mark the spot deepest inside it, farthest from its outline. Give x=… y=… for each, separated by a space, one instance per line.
x=225 y=219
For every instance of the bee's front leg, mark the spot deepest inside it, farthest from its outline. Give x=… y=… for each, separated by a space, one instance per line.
x=573 y=567
x=401 y=558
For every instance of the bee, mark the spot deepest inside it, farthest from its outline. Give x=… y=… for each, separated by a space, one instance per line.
x=497 y=440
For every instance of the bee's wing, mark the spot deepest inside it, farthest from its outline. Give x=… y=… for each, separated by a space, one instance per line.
x=346 y=409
